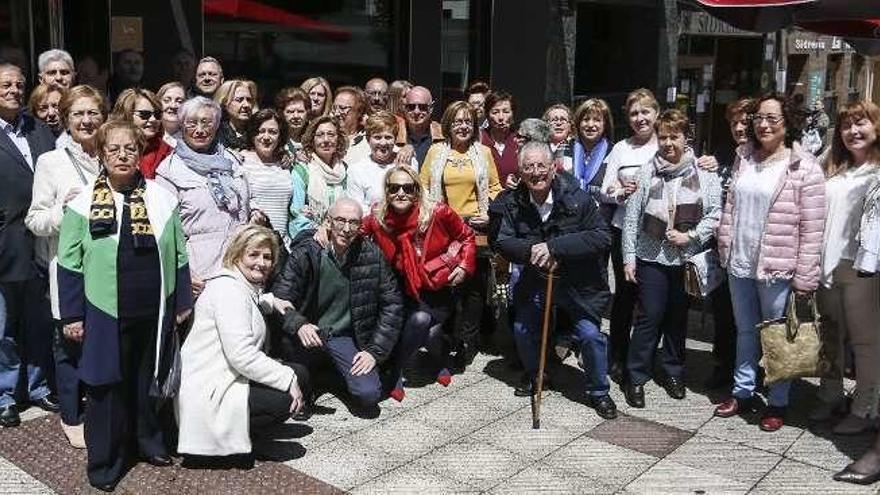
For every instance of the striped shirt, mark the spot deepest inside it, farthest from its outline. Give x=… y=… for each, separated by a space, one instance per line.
x=270 y=187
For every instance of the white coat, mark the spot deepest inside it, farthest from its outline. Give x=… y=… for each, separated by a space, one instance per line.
x=55 y=175
x=221 y=355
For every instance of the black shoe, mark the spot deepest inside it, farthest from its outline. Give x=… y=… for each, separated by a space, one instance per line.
x=9 y=416
x=304 y=413
x=675 y=388
x=604 y=405
x=48 y=403
x=159 y=460
x=527 y=386
x=109 y=487
x=850 y=476
x=635 y=395
x=615 y=372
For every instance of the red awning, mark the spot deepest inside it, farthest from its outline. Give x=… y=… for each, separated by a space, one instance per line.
x=252 y=10
x=752 y=3
x=864 y=28
x=853 y=19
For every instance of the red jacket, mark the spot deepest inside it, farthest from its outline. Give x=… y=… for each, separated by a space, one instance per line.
x=507 y=163
x=445 y=226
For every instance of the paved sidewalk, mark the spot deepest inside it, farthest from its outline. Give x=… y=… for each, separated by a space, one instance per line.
x=476 y=437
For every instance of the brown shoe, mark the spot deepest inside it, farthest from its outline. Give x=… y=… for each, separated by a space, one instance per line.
x=730 y=407
x=773 y=420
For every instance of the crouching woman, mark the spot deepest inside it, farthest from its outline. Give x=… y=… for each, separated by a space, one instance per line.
x=229 y=387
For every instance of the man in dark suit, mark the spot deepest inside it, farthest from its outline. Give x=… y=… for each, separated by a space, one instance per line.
x=25 y=319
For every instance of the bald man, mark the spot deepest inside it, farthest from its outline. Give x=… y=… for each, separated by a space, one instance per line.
x=347 y=305
x=377 y=94
x=420 y=132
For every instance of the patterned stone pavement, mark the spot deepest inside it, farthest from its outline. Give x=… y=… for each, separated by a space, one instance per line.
x=476 y=437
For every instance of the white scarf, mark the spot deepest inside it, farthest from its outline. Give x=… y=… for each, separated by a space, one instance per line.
x=481 y=171
x=326 y=184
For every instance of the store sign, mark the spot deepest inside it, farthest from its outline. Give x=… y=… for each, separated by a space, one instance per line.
x=703 y=23
x=803 y=44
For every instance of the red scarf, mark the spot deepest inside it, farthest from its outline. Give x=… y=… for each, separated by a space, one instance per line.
x=402 y=229
x=156 y=151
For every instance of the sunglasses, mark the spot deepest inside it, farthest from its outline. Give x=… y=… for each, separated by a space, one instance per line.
x=411 y=107
x=408 y=189
x=145 y=114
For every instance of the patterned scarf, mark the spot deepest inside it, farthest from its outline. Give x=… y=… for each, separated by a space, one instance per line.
x=674 y=198
x=102 y=213
x=217 y=169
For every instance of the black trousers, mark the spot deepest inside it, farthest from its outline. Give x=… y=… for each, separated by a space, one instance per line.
x=67 y=386
x=724 y=346
x=472 y=295
x=622 y=304
x=268 y=406
x=121 y=420
x=662 y=310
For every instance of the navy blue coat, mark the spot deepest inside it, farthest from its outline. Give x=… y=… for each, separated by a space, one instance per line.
x=17 y=261
x=576 y=235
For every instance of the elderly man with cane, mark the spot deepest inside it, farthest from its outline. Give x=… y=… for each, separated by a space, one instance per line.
x=554 y=228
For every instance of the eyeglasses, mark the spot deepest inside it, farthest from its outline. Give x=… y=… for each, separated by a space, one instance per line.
x=462 y=123
x=771 y=118
x=408 y=189
x=376 y=93
x=145 y=114
x=204 y=124
x=422 y=107
x=115 y=149
x=558 y=120
x=340 y=222
x=540 y=168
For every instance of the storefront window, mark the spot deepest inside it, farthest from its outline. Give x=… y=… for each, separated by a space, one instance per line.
x=277 y=43
x=464 y=45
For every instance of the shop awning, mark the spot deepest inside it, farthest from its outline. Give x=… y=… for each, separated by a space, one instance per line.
x=856 y=20
x=251 y=10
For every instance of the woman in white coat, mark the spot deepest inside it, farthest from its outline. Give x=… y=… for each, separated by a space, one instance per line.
x=59 y=176
x=229 y=386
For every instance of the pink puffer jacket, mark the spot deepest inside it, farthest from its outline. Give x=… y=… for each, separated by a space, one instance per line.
x=792 y=239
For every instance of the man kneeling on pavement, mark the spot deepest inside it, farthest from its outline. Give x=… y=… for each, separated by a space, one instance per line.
x=554 y=228
x=346 y=305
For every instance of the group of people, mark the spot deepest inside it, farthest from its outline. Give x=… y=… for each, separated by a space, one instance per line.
x=192 y=268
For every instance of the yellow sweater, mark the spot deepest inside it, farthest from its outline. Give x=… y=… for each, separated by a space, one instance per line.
x=460 y=183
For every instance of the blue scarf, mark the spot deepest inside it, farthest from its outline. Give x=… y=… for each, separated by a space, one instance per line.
x=587 y=165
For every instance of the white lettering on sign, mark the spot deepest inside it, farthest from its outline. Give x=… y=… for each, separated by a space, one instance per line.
x=801 y=44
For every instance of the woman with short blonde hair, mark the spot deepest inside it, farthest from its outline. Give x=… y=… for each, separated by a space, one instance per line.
x=366 y=177
x=238 y=98
x=229 y=387
x=44 y=104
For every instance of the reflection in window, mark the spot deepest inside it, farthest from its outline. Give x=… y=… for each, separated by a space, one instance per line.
x=279 y=43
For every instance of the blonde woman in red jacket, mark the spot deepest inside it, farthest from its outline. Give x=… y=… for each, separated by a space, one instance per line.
x=769 y=239
x=433 y=251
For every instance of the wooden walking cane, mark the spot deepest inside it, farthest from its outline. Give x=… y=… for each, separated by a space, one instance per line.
x=542 y=360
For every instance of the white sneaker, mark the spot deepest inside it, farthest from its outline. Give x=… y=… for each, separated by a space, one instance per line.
x=75 y=435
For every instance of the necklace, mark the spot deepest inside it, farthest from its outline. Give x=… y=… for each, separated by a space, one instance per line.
x=458 y=161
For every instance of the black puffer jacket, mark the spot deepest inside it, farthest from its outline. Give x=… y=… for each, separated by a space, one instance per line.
x=376 y=302
x=575 y=233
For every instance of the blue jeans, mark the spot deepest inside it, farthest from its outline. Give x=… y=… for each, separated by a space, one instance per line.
x=25 y=340
x=755 y=301
x=527 y=333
